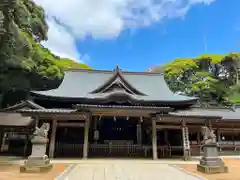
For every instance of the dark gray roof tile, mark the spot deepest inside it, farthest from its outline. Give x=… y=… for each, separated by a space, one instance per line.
x=24 y=104
x=80 y=84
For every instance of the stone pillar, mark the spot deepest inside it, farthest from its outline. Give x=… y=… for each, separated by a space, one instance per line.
x=139 y=133
x=154 y=139
x=53 y=138
x=86 y=133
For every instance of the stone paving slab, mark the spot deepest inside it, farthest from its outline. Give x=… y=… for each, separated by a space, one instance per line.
x=127 y=171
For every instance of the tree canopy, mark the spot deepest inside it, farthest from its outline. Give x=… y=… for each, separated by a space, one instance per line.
x=209 y=77
x=24 y=63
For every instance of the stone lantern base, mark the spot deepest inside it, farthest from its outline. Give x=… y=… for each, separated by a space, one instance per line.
x=210 y=162
x=38 y=161
x=36 y=164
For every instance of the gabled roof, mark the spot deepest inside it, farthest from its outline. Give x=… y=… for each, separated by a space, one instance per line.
x=117 y=81
x=23 y=105
x=95 y=85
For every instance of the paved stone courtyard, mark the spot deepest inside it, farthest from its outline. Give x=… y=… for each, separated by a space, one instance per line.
x=127 y=170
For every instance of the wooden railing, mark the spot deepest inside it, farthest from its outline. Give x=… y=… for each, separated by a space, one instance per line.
x=134 y=150
x=111 y=150
x=116 y=150
x=229 y=145
x=68 y=150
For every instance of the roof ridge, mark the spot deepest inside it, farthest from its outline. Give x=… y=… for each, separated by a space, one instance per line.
x=114 y=80
x=112 y=71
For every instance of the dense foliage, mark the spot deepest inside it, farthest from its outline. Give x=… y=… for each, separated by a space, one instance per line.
x=24 y=63
x=212 y=78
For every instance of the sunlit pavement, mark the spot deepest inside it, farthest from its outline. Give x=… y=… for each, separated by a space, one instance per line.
x=126 y=170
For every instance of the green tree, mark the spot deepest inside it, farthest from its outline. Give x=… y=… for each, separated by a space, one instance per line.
x=209 y=77
x=24 y=63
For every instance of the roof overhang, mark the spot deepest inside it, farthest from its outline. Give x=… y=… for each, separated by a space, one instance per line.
x=141 y=88
x=106 y=110
x=98 y=100
x=15 y=121
x=119 y=110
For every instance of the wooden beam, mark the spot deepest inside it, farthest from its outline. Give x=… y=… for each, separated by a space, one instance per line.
x=168 y=127
x=227 y=129
x=65 y=124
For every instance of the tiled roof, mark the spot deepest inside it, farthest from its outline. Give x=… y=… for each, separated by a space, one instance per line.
x=55 y=111
x=87 y=106
x=222 y=113
x=79 y=84
x=24 y=104
x=120 y=106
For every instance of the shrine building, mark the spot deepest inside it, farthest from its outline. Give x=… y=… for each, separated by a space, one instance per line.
x=96 y=113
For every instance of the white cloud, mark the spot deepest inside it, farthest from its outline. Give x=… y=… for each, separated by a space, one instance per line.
x=104 y=18
x=61 y=42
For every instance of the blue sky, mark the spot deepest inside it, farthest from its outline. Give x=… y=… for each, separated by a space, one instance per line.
x=160 y=41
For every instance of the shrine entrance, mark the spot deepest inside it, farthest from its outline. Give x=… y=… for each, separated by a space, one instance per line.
x=175 y=141
x=69 y=142
x=117 y=129
x=117 y=137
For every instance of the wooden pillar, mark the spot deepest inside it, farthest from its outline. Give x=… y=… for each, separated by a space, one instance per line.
x=186 y=143
x=139 y=133
x=154 y=139
x=25 y=146
x=210 y=125
x=166 y=136
x=2 y=140
x=198 y=137
x=53 y=138
x=1 y=137
x=37 y=122
x=86 y=133
x=218 y=135
x=95 y=129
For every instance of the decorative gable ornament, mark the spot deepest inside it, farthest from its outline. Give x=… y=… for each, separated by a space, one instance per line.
x=116 y=84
